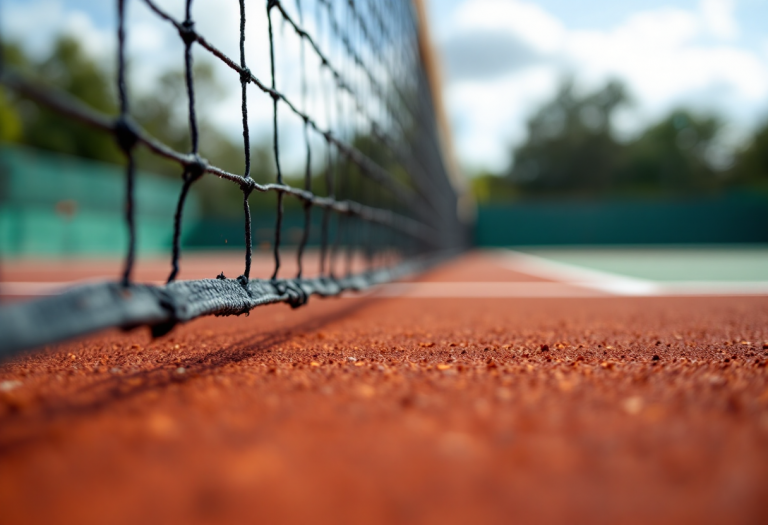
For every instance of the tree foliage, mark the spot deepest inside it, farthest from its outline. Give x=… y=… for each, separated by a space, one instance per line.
x=570 y=147
x=162 y=112
x=673 y=156
x=751 y=167
x=572 y=150
x=69 y=69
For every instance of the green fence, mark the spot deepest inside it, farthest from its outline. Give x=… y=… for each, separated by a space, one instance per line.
x=725 y=219
x=217 y=233
x=58 y=205
x=735 y=218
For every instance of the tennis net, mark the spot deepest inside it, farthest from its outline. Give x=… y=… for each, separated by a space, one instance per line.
x=371 y=130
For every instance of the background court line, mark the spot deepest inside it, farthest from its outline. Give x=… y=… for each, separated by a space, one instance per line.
x=564 y=280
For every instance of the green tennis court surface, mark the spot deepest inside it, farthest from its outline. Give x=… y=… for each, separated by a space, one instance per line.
x=707 y=264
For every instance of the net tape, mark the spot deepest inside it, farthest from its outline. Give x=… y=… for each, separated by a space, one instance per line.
x=423 y=228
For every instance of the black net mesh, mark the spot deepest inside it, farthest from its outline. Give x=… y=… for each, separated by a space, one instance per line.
x=368 y=125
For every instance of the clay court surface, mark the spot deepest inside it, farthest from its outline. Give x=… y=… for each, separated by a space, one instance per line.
x=548 y=403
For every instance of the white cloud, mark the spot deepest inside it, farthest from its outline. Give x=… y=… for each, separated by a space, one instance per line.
x=660 y=54
x=155 y=47
x=667 y=57
x=654 y=51
x=719 y=18
x=488 y=116
x=527 y=21
x=37 y=24
x=97 y=42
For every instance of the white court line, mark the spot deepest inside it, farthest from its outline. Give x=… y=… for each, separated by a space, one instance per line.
x=610 y=283
x=558 y=290
x=622 y=285
x=417 y=289
x=565 y=281
x=712 y=288
x=34 y=289
x=487 y=290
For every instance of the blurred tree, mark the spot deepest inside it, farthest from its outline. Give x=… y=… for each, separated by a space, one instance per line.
x=350 y=182
x=570 y=148
x=11 y=129
x=162 y=112
x=489 y=188
x=751 y=163
x=67 y=68
x=672 y=156
x=10 y=120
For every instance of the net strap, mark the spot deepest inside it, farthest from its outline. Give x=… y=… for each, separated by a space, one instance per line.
x=98 y=306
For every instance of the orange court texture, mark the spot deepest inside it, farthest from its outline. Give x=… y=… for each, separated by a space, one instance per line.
x=400 y=410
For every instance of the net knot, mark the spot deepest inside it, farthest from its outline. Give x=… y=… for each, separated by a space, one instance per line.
x=274 y=94
x=245 y=75
x=195 y=169
x=187 y=32
x=125 y=134
x=271 y=4
x=296 y=296
x=247 y=185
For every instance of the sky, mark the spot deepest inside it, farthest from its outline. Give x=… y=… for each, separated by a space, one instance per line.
x=501 y=59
